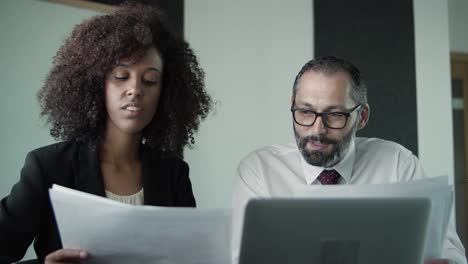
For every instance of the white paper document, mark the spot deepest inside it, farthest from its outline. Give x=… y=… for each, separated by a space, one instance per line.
x=435 y=189
x=114 y=232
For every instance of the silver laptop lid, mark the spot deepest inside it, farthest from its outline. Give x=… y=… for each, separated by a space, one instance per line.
x=335 y=231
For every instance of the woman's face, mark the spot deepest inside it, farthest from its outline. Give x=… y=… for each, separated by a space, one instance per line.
x=132 y=91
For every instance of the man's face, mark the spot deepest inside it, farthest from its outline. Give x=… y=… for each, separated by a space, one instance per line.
x=319 y=92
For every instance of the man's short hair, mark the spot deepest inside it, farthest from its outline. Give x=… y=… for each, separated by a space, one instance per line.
x=331 y=65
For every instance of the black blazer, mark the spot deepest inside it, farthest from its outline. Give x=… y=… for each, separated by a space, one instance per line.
x=26 y=214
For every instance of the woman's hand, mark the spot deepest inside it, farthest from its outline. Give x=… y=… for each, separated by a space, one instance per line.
x=66 y=255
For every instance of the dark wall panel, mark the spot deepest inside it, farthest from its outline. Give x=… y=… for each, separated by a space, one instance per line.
x=378 y=37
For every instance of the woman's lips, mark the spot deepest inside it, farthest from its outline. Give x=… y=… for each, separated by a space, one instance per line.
x=132 y=110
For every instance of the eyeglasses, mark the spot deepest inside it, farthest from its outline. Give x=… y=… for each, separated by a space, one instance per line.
x=333 y=120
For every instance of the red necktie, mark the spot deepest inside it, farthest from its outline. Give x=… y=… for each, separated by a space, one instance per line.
x=327 y=177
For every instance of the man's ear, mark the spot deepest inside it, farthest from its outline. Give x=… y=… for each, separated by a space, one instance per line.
x=364 y=114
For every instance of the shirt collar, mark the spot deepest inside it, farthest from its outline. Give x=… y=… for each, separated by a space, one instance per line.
x=344 y=167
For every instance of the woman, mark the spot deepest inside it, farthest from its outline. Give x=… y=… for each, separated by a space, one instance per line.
x=125 y=95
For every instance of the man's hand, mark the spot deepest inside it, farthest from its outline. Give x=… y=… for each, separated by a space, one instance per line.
x=66 y=255
x=436 y=261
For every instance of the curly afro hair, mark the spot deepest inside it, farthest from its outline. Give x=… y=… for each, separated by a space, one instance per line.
x=73 y=98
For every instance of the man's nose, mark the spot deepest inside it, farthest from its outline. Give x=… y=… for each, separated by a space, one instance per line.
x=318 y=127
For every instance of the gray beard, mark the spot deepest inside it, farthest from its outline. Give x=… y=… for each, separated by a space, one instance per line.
x=320 y=159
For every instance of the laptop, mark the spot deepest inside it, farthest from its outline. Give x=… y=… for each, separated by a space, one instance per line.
x=335 y=231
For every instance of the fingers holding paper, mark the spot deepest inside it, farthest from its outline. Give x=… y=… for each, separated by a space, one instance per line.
x=66 y=255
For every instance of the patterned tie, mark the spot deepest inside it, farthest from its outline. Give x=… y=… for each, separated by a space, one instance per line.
x=329 y=177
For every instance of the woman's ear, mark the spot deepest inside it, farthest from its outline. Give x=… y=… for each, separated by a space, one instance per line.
x=364 y=114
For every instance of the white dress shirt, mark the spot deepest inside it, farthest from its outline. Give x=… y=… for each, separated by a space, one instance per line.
x=277 y=170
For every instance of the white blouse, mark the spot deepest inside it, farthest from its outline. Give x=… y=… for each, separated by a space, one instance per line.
x=134 y=199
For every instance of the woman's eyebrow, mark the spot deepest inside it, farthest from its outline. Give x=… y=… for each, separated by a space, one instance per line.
x=154 y=69
x=128 y=66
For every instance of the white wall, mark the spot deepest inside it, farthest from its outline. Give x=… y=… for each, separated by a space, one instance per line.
x=251 y=52
x=458 y=24
x=434 y=100
x=31 y=33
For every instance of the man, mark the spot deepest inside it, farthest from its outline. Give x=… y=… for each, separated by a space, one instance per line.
x=328 y=105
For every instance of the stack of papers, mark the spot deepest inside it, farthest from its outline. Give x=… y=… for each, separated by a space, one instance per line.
x=114 y=232
x=435 y=189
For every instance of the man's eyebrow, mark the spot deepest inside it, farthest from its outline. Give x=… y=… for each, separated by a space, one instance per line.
x=303 y=104
x=334 y=108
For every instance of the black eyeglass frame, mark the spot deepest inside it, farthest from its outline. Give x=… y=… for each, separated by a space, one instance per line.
x=346 y=114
